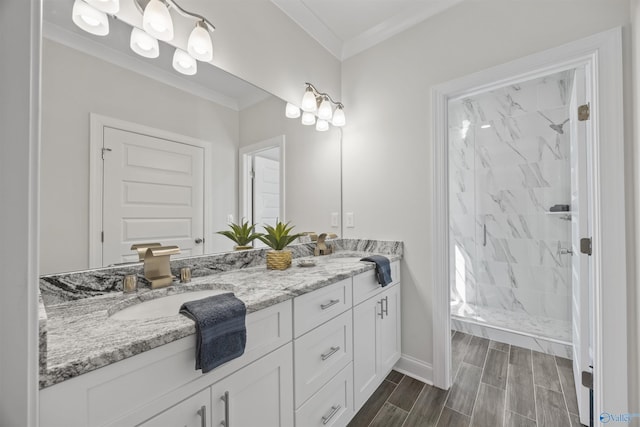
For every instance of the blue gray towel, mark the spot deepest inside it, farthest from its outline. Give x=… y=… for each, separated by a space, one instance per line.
x=221 y=333
x=383 y=268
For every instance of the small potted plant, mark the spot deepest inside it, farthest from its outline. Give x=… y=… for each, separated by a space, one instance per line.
x=242 y=234
x=278 y=238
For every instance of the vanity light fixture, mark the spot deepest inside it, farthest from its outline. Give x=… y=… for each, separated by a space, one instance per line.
x=314 y=102
x=90 y=19
x=157 y=24
x=143 y=44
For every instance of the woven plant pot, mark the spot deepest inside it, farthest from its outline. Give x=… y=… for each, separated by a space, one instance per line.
x=278 y=260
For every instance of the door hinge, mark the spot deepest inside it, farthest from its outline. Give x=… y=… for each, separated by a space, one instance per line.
x=103 y=151
x=587 y=379
x=585 y=246
x=252 y=174
x=584 y=112
x=102 y=236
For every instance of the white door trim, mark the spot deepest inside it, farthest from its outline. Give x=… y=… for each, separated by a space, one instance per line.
x=96 y=142
x=602 y=55
x=243 y=170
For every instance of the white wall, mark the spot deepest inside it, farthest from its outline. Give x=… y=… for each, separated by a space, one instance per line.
x=312 y=164
x=19 y=132
x=387 y=89
x=634 y=288
x=73 y=86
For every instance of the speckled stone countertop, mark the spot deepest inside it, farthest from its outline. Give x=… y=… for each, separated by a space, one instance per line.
x=78 y=335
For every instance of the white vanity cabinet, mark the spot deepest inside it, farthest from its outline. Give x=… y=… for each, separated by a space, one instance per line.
x=191 y=412
x=376 y=333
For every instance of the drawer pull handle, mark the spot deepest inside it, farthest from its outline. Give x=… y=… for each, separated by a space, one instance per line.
x=334 y=410
x=381 y=314
x=386 y=306
x=329 y=304
x=330 y=353
x=203 y=416
x=225 y=399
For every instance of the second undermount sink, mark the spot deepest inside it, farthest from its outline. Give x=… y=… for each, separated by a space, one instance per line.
x=163 y=306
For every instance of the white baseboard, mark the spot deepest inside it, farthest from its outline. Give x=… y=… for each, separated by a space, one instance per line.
x=415 y=368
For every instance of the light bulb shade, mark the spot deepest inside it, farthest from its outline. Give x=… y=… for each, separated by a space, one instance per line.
x=143 y=44
x=199 y=45
x=291 y=111
x=90 y=19
x=308 y=118
x=309 y=101
x=322 y=125
x=156 y=20
x=107 y=6
x=184 y=63
x=338 y=117
x=324 y=111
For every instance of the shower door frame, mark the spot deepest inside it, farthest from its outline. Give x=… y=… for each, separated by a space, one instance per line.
x=601 y=54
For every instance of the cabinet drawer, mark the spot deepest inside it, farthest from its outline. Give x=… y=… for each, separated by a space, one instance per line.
x=365 y=285
x=320 y=354
x=315 y=308
x=188 y=413
x=332 y=405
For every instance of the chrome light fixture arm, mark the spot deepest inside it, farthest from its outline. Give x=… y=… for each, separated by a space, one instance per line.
x=321 y=95
x=141 y=4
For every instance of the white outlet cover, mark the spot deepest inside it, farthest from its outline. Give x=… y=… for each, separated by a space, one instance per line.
x=229 y=218
x=350 y=222
x=334 y=219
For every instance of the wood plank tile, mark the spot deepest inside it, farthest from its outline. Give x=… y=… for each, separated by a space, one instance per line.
x=499 y=346
x=371 y=407
x=405 y=395
x=394 y=377
x=462 y=395
x=495 y=369
x=515 y=420
x=389 y=416
x=550 y=408
x=520 y=388
x=476 y=351
x=459 y=344
x=520 y=357
x=545 y=373
x=565 y=371
x=451 y=418
x=489 y=408
x=427 y=409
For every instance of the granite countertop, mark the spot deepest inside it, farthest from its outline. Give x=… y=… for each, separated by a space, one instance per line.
x=80 y=335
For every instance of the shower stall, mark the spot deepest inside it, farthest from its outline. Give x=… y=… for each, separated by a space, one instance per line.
x=510 y=221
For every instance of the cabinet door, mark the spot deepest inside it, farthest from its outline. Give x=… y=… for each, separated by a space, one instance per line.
x=389 y=340
x=191 y=412
x=260 y=394
x=366 y=367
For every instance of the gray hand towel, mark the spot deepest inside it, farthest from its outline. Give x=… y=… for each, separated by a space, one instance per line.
x=221 y=333
x=383 y=268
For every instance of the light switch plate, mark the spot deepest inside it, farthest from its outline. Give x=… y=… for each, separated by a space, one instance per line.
x=229 y=218
x=349 y=220
x=334 y=219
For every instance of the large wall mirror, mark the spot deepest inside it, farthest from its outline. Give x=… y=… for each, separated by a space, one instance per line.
x=124 y=137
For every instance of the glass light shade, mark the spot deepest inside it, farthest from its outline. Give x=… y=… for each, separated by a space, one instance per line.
x=90 y=19
x=184 y=63
x=107 y=6
x=308 y=118
x=143 y=44
x=338 y=117
x=322 y=125
x=291 y=111
x=199 y=45
x=324 y=111
x=309 y=101
x=156 y=20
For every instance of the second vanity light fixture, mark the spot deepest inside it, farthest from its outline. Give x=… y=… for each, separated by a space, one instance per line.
x=315 y=103
x=157 y=24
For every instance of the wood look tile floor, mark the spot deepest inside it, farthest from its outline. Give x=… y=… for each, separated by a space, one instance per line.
x=494 y=385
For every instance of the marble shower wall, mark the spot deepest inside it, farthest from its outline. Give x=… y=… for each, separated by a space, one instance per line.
x=508 y=164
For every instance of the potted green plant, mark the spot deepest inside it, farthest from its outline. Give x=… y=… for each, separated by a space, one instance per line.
x=243 y=234
x=278 y=238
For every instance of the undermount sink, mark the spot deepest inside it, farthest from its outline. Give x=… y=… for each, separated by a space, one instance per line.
x=163 y=306
x=345 y=260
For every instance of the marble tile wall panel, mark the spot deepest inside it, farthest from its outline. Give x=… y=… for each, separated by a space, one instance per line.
x=513 y=144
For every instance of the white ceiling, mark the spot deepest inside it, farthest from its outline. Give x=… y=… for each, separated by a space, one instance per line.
x=347 y=27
